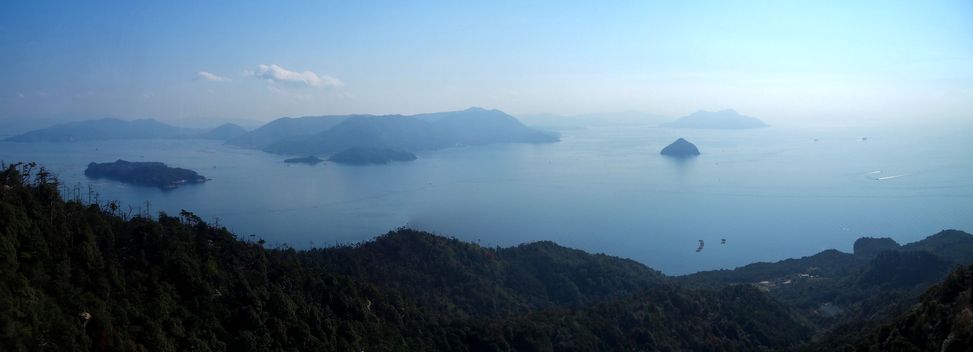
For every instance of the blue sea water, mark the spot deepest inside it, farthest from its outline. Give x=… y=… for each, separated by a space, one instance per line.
x=772 y=193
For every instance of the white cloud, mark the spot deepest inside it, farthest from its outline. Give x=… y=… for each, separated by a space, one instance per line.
x=203 y=75
x=276 y=74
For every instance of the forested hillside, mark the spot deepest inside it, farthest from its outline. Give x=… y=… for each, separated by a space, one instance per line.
x=848 y=295
x=91 y=277
x=941 y=321
x=80 y=277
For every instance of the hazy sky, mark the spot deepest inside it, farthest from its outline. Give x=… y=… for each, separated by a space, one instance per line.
x=786 y=62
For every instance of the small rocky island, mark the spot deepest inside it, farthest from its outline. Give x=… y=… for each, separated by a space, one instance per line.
x=151 y=174
x=310 y=160
x=365 y=156
x=681 y=148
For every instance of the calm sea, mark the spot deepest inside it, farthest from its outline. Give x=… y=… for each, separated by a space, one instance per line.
x=771 y=193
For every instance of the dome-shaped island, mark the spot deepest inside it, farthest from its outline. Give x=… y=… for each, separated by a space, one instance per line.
x=681 y=148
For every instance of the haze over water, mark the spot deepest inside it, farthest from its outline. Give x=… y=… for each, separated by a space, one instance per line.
x=773 y=193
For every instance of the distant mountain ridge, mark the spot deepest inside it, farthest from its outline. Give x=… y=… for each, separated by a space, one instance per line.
x=727 y=119
x=286 y=128
x=223 y=132
x=474 y=126
x=319 y=135
x=115 y=129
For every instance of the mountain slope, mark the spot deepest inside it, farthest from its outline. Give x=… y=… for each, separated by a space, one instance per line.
x=385 y=132
x=174 y=284
x=113 y=129
x=725 y=120
x=476 y=126
x=489 y=282
x=848 y=295
x=223 y=132
x=286 y=128
x=954 y=245
x=941 y=320
x=473 y=126
x=79 y=277
x=665 y=318
x=104 y=129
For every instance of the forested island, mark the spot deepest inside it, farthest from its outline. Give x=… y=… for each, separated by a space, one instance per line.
x=366 y=156
x=151 y=174
x=309 y=160
x=681 y=148
x=90 y=277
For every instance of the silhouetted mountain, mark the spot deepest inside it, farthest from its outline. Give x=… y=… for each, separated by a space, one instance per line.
x=152 y=174
x=954 y=245
x=366 y=156
x=942 y=321
x=474 y=281
x=286 y=128
x=726 y=119
x=477 y=126
x=104 y=129
x=904 y=269
x=382 y=132
x=414 y=133
x=681 y=148
x=222 y=132
x=870 y=247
